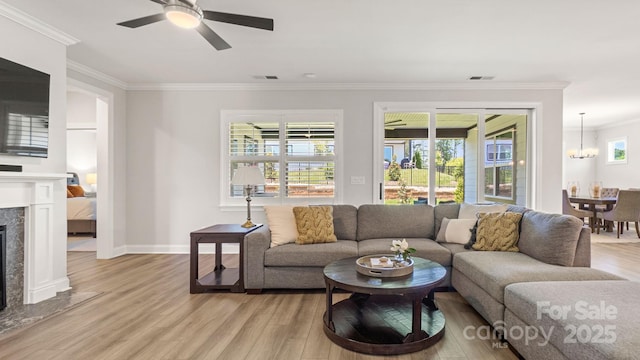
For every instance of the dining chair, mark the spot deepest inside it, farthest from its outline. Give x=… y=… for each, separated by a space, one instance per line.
x=609 y=192
x=627 y=208
x=606 y=193
x=568 y=209
x=632 y=189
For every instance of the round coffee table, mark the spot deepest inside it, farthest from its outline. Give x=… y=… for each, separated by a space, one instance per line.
x=384 y=316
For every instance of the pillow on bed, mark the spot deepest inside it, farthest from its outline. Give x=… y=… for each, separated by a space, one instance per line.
x=76 y=190
x=69 y=194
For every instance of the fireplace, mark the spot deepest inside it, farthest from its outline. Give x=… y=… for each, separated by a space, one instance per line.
x=12 y=256
x=35 y=237
x=3 y=268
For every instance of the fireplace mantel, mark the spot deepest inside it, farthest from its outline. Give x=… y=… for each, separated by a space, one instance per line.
x=35 y=192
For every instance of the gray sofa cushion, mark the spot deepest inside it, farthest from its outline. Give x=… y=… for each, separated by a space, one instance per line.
x=345 y=221
x=530 y=302
x=493 y=270
x=395 y=221
x=551 y=238
x=517 y=209
x=310 y=255
x=455 y=248
x=425 y=248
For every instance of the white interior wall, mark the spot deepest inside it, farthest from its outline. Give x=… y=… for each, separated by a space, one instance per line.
x=581 y=170
x=586 y=171
x=81 y=110
x=173 y=151
x=622 y=176
x=33 y=49
x=81 y=135
x=82 y=154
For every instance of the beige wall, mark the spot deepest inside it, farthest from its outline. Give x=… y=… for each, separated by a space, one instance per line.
x=597 y=169
x=173 y=151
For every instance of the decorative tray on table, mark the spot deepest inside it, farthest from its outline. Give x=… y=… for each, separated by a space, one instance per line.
x=383 y=266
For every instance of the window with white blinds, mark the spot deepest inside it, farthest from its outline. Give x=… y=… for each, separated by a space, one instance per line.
x=294 y=150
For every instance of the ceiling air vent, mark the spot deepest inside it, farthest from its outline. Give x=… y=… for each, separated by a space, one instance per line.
x=265 y=77
x=481 y=77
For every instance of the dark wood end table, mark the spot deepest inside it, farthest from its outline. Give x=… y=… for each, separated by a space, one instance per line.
x=221 y=277
x=384 y=316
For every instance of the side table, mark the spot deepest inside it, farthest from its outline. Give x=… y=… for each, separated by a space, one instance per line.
x=221 y=277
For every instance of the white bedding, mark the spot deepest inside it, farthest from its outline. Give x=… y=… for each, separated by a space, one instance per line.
x=81 y=208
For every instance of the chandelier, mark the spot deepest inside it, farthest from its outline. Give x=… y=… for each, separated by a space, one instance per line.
x=582 y=153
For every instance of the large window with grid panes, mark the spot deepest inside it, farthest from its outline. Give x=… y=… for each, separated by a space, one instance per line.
x=296 y=151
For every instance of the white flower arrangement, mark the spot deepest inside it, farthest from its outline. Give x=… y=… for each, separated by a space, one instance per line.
x=402 y=249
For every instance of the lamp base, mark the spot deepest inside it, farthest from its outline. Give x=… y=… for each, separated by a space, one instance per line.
x=248 y=224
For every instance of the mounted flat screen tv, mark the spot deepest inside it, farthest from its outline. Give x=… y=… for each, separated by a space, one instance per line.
x=24 y=110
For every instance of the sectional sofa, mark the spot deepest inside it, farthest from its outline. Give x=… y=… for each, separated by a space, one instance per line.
x=506 y=288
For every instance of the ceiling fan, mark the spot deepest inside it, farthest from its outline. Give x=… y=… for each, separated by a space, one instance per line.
x=392 y=124
x=187 y=14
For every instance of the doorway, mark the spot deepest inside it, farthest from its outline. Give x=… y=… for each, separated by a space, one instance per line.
x=101 y=124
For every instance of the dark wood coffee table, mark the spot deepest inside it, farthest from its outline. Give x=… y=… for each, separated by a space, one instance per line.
x=384 y=316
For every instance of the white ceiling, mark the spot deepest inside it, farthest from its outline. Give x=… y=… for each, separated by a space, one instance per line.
x=593 y=45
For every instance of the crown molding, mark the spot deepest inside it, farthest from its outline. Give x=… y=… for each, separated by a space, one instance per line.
x=85 y=70
x=34 y=24
x=350 y=86
x=95 y=74
x=617 y=124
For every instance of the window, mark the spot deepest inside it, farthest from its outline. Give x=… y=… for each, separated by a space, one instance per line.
x=617 y=151
x=498 y=178
x=295 y=150
x=499 y=152
x=467 y=158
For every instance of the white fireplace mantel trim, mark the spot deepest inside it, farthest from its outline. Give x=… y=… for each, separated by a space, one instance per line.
x=34 y=192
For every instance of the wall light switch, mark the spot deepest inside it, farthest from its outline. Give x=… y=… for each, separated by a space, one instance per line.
x=357 y=180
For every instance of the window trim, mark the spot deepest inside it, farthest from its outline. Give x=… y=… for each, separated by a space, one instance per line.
x=611 y=151
x=281 y=116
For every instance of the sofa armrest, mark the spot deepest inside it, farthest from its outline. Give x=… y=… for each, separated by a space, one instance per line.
x=583 y=249
x=255 y=244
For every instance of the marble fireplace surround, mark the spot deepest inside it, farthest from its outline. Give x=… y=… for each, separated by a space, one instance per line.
x=34 y=192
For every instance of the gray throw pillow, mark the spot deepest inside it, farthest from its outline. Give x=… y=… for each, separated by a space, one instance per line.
x=551 y=238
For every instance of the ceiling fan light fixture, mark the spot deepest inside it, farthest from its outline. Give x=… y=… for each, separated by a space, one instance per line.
x=183 y=16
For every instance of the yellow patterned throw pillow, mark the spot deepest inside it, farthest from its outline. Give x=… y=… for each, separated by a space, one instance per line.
x=498 y=231
x=315 y=224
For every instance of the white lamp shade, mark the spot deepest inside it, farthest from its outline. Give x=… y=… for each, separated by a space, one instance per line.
x=248 y=175
x=91 y=178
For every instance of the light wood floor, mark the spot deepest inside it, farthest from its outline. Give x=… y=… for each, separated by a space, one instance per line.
x=145 y=311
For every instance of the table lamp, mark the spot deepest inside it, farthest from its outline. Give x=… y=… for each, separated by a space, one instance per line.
x=92 y=180
x=248 y=176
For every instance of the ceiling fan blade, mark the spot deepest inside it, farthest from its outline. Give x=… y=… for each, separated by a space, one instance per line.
x=243 y=20
x=213 y=38
x=143 y=21
x=161 y=2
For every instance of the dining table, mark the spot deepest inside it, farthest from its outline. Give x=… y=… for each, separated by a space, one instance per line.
x=589 y=203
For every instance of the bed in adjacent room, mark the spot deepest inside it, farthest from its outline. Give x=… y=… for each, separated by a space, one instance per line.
x=81 y=210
